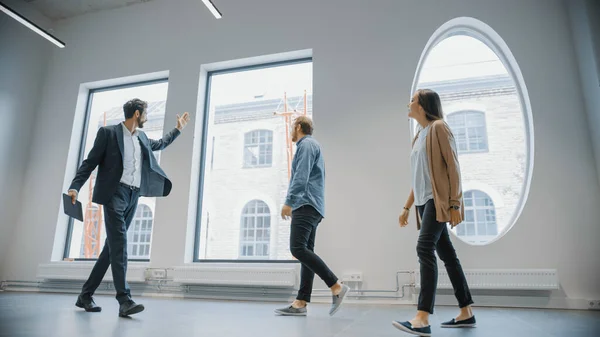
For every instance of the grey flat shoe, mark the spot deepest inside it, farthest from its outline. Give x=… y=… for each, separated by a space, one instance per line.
x=291 y=311
x=338 y=299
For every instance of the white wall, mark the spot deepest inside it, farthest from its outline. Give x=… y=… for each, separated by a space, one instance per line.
x=585 y=27
x=23 y=56
x=364 y=63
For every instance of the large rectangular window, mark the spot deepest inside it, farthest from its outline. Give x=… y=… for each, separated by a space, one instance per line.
x=85 y=240
x=246 y=160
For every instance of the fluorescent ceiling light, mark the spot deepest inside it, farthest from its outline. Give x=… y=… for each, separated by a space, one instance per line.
x=23 y=20
x=211 y=7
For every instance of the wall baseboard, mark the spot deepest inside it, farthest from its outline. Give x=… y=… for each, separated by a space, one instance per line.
x=168 y=289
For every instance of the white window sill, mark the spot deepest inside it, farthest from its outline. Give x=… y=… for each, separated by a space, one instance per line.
x=240 y=274
x=80 y=270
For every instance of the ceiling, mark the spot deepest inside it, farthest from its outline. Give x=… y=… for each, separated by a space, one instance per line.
x=64 y=9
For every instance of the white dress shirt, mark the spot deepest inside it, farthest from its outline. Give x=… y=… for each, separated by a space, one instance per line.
x=132 y=158
x=419 y=161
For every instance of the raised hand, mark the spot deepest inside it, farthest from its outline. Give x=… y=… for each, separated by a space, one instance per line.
x=182 y=121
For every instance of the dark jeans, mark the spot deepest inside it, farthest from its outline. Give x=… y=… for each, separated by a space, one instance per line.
x=434 y=237
x=302 y=243
x=118 y=214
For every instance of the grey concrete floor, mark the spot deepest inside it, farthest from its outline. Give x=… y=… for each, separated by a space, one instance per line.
x=48 y=315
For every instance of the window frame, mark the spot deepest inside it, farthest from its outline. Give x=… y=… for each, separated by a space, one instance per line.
x=245 y=165
x=255 y=242
x=82 y=153
x=485 y=130
x=481 y=31
x=204 y=151
x=474 y=209
x=140 y=231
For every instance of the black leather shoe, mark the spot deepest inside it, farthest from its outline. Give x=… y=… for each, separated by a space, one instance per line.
x=87 y=303
x=130 y=308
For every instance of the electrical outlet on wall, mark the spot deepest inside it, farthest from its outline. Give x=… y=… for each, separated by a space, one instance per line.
x=594 y=304
x=352 y=277
x=156 y=274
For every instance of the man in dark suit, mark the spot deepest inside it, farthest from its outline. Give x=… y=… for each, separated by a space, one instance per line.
x=127 y=169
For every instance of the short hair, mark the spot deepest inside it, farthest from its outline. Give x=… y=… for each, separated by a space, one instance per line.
x=305 y=123
x=132 y=105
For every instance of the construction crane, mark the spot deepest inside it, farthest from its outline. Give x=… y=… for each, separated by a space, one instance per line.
x=92 y=225
x=289 y=116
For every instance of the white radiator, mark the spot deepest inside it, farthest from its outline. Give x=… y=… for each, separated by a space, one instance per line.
x=501 y=279
x=273 y=276
x=77 y=270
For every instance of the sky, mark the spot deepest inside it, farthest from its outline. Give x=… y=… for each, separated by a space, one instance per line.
x=460 y=57
x=269 y=83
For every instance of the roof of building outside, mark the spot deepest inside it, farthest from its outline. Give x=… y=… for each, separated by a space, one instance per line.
x=481 y=85
x=260 y=109
x=266 y=108
x=155 y=114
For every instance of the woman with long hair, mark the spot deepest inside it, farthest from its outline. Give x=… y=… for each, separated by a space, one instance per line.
x=437 y=194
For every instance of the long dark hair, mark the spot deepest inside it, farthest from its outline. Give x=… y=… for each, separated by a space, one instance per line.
x=430 y=101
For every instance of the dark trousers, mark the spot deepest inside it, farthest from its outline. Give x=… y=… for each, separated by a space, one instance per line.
x=434 y=237
x=118 y=214
x=302 y=243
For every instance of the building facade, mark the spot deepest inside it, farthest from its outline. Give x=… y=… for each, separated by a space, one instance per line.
x=486 y=119
x=139 y=235
x=245 y=181
x=246 y=169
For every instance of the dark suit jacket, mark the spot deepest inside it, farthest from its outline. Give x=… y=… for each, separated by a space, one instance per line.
x=107 y=154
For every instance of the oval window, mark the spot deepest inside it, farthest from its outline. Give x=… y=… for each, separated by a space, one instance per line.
x=486 y=105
